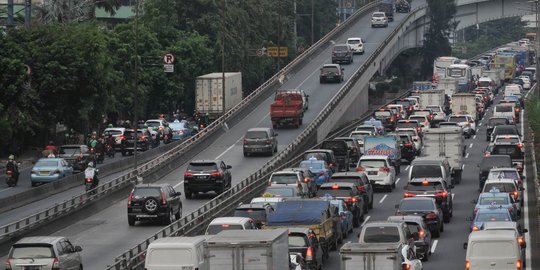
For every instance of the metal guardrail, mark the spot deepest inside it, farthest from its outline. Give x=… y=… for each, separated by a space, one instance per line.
x=255 y=183
x=19 y=227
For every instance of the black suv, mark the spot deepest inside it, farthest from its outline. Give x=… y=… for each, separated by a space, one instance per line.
x=331 y=72
x=504 y=130
x=341 y=152
x=206 y=175
x=322 y=154
x=154 y=201
x=435 y=188
x=127 y=144
x=489 y=162
x=354 y=149
x=361 y=181
x=493 y=122
x=514 y=150
x=387 y=117
x=350 y=194
x=304 y=241
x=260 y=140
x=425 y=207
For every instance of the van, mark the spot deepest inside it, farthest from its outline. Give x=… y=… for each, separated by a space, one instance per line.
x=176 y=253
x=230 y=223
x=506 y=110
x=493 y=249
x=431 y=167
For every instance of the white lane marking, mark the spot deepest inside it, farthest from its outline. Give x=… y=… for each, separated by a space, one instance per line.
x=384 y=197
x=434 y=246
x=453 y=195
x=470 y=145
x=397 y=180
x=467 y=155
x=525 y=213
x=224 y=152
x=177 y=185
x=474 y=137
x=365 y=220
x=463 y=168
x=407 y=168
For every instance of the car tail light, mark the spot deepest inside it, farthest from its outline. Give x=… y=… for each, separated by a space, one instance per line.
x=130 y=198
x=216 y=173
x=518 y=264
x=309 y=254
x=163 y=198
x=144 y=137
x=517 y=109
x=351 y=200
x=361 y=188
x=431 y=215
x=306 y=180
x=360 y=169
x=516 y=194
x=421 y=233
x=475 y=228
x=9 y=173
x=408 y=194
x=467 y=265
x=475 y=210
x=443 y=194
x=8 y=264
x=188 y=174
x=521 y=241
x=269 y=182
x=406 y=266
x=417 y=128
x=520 y=145
x=331 y=165
x=122 y=137
x=384 y=169
x=520 y=182
x=88 y=180
x=56 y=264
x=321 y=173
x=510 y=209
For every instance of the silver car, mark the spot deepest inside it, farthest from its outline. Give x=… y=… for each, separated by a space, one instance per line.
x=44 y=253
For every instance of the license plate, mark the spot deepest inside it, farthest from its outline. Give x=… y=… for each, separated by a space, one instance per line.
x=372 y=173
x=44 y=173
x=136 y=210
x=32 y=267
x=146 y=216
x=201 y=177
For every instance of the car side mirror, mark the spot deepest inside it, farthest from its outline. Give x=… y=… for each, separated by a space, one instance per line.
x=178 y=194
x=521 y=188
x=469 y=219
x=465 y=245
x=229 y=167
x=78 y=248
x=276 y=134
x=524 y=231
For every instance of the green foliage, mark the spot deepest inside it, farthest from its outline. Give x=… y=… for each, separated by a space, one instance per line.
x=436 y=44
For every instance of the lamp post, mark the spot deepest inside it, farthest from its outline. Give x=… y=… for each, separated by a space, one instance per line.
x=136 y=87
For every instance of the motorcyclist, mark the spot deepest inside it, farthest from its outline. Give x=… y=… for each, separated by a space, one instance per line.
x=51 y=148
x=92 y=173
x=167 y=133
x=127 y=124
x=12 y=165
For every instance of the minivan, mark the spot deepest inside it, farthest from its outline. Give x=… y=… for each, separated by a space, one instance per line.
x=176 y=253
x=493 y=249
x=259 y=141
x=430 y=167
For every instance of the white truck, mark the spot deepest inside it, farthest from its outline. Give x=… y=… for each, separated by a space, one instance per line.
x=449 y=85
x=497 y=75
x=464 y=104
x=212 y=99
x=447 y=143
x=248 y=249
x=431 y=97
x=379 y=256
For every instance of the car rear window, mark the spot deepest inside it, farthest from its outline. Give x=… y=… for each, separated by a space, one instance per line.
x=507 y=140
x=415 y=229
x=311 y=165
x=424 y=186
x=381 y=234
x=423 y=171
x=422 y=113
x=512 y=150
x=200 y=167
x=47 y=163
x=215 y=229
x=502 y=187
x=367 y=163
x=434 y=109
x=281 y=192
x=145 y=192
x=330 y=69
x=353 y=41
x=340 y=48
x=370 y=129
x=256 y=135
x=70 y=150
x=255 y=214
x=405 y=103
x=493 y=161
x=339 y=147
x=32 y=251
x=504 y=249
x=457 y=119
x=492 y=217
x=493 y=200
x=334 y=192
x=416 y=205
x=318 y=156
x=503 y=174
x=284 y=179
x=346 y=179
x=502 y=130
x=114 y=132
x=153 y=123
x=407 y=125
x=503 y=108
x=383 y=113
x=297 y=240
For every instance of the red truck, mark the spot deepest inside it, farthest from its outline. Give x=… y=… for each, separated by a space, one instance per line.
x=288 y=108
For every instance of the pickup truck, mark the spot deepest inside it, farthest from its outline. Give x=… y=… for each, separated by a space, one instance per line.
x=287 y=108
x=313 y=214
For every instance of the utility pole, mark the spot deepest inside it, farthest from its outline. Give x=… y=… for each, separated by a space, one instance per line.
x=10 y=13
x=223 y=53
x=136 y=87
x=27 y=13
x=279 y=37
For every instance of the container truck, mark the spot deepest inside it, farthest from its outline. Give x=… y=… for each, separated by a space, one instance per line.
x=212 y=99
x=386 y=146
x=248 y=249
x=447 y=143
x=464 y=104
x=449 y=85
x=387 y=6
x=431 y=97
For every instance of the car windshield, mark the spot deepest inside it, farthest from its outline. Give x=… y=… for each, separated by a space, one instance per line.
x=405 y=103
x=339 y=147
x=284 y=179
x=503 y=174
x=365 y=129
x=345 y=179
x=416 y=205
x=502 y=187
x=215 y=229
x=503 y=108
x=382 y=113
x=71 y=150
x=353 y=41
x=422 y=113
x=256 y=135
x=317 y=156
x=415 y=229
x=381 y=234
x=281 y=192
x=153 y=123
x=297 y=240
x=373 y=163
x=457 y=119
x=23 y=251
x=423 y=171
x=492 y=217
x=46 y=163
x=255 y=214
x=497 y=121
x=145 y=192
x=201 y=167
x=334 y=192
x=378 y=15
x=512 y=150
x=330 y=69
x=490 y=200
x=448 y=125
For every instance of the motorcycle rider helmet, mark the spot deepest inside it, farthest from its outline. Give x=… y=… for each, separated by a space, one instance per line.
x=90 y=164
x=110 y=126
x=51 y=143
x=11 y=157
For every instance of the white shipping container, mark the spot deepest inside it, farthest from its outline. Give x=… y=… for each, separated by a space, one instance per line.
x=449 y=85
x=357 y=256
x=431 y=97
x=447 y=143
x=464 y=103
x=209 y=92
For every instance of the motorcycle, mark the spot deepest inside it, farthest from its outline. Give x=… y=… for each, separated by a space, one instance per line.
x=11 y=180
x=96 y=156
x=110 y=150
x=91 y=183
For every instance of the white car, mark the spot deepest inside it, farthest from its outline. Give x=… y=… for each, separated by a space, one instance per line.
x=415 y=104
x=526 y=82
x=417 y=140
x=379 y=171
x=357 y=44
x=400 y=109
x=155 y=125
x=359 y=137
x=422 y=119
x=379 y=19
x=117 y=133
x=272 y=201
x=514 y=139
x=230 y=223
x=466 y=122
x=440 y=115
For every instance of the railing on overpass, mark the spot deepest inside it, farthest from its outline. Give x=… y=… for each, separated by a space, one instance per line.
x=254 y=184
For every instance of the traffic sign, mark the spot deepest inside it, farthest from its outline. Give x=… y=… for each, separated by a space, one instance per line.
x=259 y=52
x=274 y=52
x=168 y=68
x=169 y=59
x=348 y=4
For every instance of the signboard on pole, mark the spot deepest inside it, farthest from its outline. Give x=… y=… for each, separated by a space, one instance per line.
x=169 y=59
x=168 y=68
x=274 y=52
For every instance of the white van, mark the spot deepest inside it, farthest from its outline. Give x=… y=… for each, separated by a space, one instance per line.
x=176 y=253
x=230 y=223
x=513 y=90
x=505 y=110
x=493 y=249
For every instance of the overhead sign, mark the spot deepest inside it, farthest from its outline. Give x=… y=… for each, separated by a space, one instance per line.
x=274 y=52
x=169 y=59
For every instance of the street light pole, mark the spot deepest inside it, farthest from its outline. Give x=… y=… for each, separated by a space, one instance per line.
x=223 y=53
x=136 y=86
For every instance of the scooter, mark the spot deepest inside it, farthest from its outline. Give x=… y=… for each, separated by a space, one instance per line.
x=110 y=150
x=11 y=180
x=91 y=184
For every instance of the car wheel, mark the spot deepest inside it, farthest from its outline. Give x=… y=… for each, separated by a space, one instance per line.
x=426 y=256
x=446 y=218
x=179 y=213
x=356 y=221
x=131 y=221
x=371 y=203
x=189 y=195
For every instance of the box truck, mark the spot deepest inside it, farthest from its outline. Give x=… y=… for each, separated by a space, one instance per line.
x=210 y=96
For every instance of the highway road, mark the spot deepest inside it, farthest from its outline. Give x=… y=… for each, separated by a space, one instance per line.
x=106 y=234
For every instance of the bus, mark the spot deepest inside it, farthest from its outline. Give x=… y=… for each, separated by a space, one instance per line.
x=463 y=74
x=440 y=65
x=507 y=61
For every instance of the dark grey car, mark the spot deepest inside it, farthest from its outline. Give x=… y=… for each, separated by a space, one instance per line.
x=342 y=53
x=260 y=140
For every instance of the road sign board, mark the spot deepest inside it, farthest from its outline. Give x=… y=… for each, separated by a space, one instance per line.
x=274 y=52
x=169 y=59
x=259 y=52
x=168 y=68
